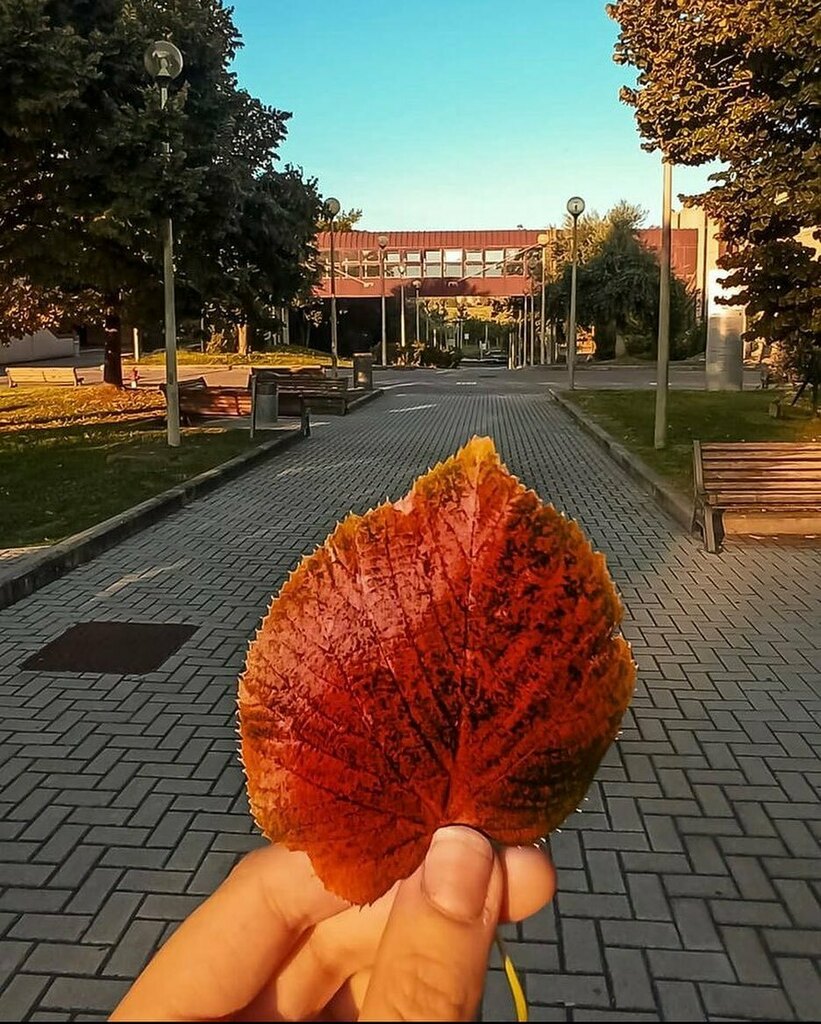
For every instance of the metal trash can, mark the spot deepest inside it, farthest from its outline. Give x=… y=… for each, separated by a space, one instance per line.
x=266 y=404
x=363 y=370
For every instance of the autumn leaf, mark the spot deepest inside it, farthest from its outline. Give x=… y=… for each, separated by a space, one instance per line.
x=449 y=658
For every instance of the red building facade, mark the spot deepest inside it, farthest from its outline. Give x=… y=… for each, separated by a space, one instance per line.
x=456 y=263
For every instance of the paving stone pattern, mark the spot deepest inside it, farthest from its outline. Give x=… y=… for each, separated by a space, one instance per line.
x=689 y=885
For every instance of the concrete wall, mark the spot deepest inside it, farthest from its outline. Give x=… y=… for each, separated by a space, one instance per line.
x=32 y=347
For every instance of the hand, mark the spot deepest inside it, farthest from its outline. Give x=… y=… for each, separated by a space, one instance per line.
x=272 y=944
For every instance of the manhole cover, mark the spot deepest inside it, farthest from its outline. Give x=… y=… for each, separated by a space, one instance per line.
x=121 y=648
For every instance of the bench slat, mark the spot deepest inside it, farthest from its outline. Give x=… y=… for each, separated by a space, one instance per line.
x=772 y=479
x=766 y=465
x=726 y=499
x=739 y=447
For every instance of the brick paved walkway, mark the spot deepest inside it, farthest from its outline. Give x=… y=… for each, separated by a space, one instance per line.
x=689 y=887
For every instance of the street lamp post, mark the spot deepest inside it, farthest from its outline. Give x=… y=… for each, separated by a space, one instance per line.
x=532 y=268
x=543 y=240
x=417 y=284
x=383 y=241
x=163 y=61
x=332 y=208
x=575 y=207
x=663 y=369
x=403 y=340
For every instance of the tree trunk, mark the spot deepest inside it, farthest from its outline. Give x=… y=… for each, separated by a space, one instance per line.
x=242 y=339
x=112 y=360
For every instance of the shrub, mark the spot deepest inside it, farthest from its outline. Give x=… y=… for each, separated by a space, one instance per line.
x=443 y=359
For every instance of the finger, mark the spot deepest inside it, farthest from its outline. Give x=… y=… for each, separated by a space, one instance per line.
x=346 y=945
x=433 y=956
x=530 y=881
x=346 y=1004
x=221 y=956
x=335 y=949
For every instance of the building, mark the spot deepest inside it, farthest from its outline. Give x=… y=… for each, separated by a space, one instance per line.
x=462 y=263
x=33 y=347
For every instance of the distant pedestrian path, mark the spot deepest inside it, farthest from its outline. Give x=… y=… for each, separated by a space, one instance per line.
x=687 y=888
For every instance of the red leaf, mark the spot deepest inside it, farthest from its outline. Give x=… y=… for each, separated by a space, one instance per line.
x=447 y=658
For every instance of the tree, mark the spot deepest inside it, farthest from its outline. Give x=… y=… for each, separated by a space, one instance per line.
x=84 y=181
x=737 y=81
x=618 y=285
x=345 y=220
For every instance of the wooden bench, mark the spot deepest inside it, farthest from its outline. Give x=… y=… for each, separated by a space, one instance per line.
x=200 y=401
x=317 y=392
x=43 y=375
x=756 y=488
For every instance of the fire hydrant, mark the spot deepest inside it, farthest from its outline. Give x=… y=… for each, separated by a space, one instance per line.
x=135 y=378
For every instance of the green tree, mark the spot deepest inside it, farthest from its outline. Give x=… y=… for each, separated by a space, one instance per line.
x=737 y=81
x=345 y=220
x=84 y=181
x=618 y=285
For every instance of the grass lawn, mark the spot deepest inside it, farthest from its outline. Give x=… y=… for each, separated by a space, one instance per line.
x=694 y=416
x=281 y=355
x=71 y=457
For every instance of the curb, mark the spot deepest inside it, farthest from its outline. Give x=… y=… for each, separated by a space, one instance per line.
x=671 y=501
x=364 y=399
x=82 y=547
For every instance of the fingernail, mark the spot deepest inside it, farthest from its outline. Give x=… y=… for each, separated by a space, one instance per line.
x=457 y=872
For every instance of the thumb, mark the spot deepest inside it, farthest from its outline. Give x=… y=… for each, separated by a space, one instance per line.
x=432 y=959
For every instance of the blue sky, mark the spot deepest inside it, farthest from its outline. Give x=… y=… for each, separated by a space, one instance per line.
x=452 y=113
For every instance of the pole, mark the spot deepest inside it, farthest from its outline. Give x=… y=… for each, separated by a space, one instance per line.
x=542 y=348
x=135 y=337
x=418 y=339
x=402 y=334
x=384 y=321
x=334 y=328
x=525 y=333
x=663 y=369
x=172 y=389
x=532 y=325
x=571 y=327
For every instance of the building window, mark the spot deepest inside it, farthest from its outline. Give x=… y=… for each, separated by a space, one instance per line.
x=453 y=262
x=514 y=263
x=370 y=264
x=433 y=263
x=473 y=263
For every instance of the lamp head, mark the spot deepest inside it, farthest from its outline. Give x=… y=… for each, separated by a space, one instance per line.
x=163 y=61
x=575 y=206
x=332 y=207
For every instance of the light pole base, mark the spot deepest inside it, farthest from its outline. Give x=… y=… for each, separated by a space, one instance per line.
x=172 y=402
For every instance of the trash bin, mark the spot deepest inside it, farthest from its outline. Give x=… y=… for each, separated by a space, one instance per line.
x=363 y=370
x=266 y=404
